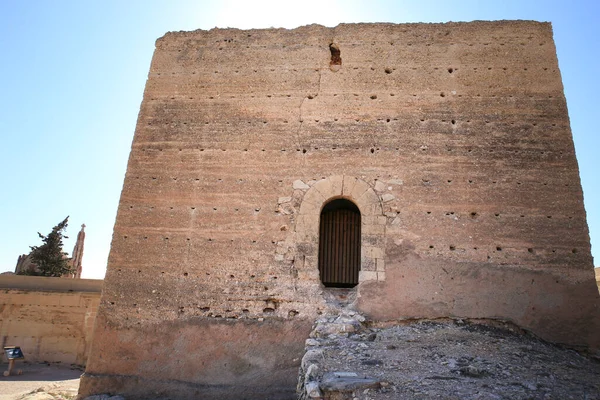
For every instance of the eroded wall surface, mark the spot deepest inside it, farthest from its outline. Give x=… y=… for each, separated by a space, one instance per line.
x=452 y=139
x=51 y=319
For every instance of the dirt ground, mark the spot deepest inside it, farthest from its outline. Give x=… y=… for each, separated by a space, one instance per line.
x=40 y=381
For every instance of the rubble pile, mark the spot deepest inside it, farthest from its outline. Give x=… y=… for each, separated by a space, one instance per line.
x=349 y=358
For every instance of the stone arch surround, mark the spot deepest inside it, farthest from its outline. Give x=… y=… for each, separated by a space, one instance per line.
x=372 y=223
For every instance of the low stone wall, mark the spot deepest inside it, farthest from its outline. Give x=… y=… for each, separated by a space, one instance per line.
x=52 y=319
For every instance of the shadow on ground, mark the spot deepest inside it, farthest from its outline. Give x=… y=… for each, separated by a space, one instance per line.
x=40 y=381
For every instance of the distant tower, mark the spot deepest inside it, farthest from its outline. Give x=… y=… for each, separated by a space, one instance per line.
x=77 y=255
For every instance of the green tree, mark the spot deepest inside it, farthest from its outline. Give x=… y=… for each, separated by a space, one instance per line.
x=50 y=258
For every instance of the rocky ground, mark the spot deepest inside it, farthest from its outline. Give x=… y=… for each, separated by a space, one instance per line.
x=454 y=359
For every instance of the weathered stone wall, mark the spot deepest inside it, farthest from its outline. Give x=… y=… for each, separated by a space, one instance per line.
x=452 y=139
x=52 y=319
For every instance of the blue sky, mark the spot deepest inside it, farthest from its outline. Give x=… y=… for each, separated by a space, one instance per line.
x=72 y=75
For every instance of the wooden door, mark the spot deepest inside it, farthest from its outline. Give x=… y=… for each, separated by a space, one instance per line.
x=339 y=244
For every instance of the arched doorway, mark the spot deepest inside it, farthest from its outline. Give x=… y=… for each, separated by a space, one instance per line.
x=339 y=244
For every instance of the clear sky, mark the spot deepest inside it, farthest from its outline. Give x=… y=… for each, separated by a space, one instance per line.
x=72 y=75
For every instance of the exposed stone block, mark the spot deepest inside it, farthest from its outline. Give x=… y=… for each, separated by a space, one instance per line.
x=358 y=191
x=298 y=184
x=373 y=252
x=336 y=184
x=380 y=186
x=348 y=186
x=367 y=263
x=367 y=276
x=387 y=197
x=310 y=208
